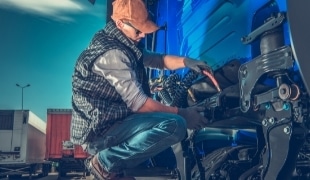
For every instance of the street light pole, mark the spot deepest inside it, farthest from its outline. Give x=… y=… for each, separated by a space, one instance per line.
x=22 y=87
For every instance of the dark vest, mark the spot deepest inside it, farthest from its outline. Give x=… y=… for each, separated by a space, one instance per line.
x=96 y=104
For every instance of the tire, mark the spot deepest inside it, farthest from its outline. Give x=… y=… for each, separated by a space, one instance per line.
x=62 y=174
x=46 y=169
x=15 y=177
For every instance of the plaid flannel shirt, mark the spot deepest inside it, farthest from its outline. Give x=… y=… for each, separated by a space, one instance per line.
x=96 y=105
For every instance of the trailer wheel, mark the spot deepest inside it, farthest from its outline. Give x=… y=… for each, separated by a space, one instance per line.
x=15 y=176
x=62 y=174
x=46 y=169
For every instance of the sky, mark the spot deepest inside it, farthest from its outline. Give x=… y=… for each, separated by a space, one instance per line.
x=40 y=41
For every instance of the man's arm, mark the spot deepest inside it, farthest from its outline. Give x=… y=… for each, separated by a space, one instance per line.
x=161 y=61
x=151 y=105
x=172 y=62
x=113 y=65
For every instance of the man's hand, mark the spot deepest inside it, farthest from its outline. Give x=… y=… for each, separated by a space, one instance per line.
x=193 y=118
x=197 y=65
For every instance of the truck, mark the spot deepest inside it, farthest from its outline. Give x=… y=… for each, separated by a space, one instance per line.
x=258 y=52
x=59 y=149
x=22 y=134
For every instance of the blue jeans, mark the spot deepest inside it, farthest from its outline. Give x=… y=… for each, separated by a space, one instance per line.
x=137 y=138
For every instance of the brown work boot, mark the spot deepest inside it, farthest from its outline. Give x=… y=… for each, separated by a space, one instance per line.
x=100 y=173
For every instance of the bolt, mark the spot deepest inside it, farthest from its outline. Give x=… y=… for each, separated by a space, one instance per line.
x=283 y=91
x=287 y=54
x=264 y=122
x=245 y=103
x=271 y=120
x=245 y=72
x=287 y=130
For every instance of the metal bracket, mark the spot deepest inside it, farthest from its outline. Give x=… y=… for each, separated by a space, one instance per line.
x=283 y=141
x=250 y=72
x=270 y=24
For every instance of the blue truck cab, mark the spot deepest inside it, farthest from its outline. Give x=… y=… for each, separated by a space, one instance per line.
x=259 y=117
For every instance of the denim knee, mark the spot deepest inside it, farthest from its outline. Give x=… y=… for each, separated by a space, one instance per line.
x=176 y=126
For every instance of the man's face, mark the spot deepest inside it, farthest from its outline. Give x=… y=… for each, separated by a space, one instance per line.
x=131 y=32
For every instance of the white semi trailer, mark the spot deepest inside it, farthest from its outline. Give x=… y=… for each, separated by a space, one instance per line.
x=22 y=144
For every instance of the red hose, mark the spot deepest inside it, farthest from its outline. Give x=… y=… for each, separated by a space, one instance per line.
x=214 y=81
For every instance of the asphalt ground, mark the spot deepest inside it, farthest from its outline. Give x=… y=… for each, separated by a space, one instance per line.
x=74 y=176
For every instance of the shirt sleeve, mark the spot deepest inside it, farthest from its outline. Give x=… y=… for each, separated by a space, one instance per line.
x=153 y=60
x=115 y=67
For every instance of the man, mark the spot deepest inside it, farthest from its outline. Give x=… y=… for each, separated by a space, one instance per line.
x=113 y=117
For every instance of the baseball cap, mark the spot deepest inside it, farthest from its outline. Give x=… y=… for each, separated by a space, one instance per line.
x=135 y=12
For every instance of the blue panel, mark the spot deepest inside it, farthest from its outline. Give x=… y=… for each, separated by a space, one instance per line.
x=208 y=30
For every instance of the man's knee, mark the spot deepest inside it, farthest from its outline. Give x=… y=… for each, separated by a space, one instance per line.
x=176 y=126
